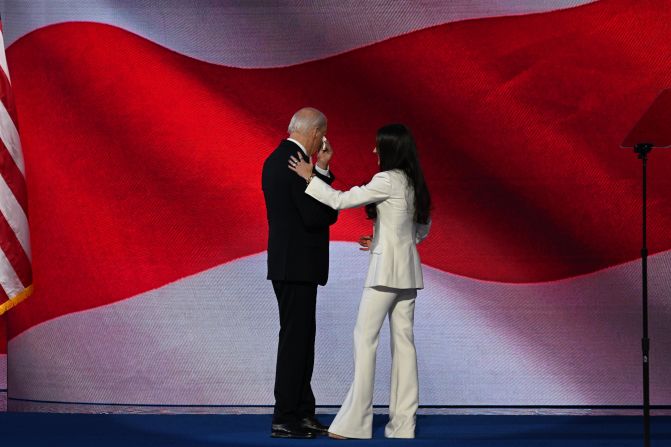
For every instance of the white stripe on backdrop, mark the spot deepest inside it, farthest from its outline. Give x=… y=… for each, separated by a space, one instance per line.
x=259 y=33
x=210 y=339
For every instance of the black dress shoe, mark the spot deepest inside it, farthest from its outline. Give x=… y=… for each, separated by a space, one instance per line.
x=312 y=424
x=291 y=431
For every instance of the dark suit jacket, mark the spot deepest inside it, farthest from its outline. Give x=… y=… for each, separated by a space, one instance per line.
x=298 y=225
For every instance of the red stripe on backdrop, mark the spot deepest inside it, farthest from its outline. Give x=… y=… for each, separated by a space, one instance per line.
x=7 y=97
x=15 y=253
x=13 y=177
x=144 y=165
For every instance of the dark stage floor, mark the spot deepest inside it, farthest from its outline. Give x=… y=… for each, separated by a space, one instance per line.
x=74 y=430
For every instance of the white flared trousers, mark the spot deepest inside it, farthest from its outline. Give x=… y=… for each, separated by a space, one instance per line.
x=355 y=418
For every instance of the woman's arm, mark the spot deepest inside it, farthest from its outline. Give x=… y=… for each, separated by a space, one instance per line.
x=377 y=190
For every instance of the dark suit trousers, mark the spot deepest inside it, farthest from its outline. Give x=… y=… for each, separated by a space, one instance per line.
x=294 y=399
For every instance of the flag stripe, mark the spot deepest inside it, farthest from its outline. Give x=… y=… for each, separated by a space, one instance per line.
x=9 y=273
x=7 y=96
x=16 y=257
x=3 y=56
x=9 y=135
x=14 y=217
x=13 y=178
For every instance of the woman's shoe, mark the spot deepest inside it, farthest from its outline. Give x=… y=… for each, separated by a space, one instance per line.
x=334 y=436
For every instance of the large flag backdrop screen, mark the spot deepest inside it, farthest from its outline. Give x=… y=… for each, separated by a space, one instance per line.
x=144 y=128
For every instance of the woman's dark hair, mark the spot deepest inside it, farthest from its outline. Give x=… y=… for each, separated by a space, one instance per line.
x=397 y=150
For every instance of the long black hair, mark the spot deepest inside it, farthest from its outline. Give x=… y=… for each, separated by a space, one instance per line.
x=397 y=150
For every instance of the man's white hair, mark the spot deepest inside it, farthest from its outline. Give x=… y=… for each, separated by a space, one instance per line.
x=305 y=119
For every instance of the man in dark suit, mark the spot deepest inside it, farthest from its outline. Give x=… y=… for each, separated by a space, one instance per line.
x=298 y=251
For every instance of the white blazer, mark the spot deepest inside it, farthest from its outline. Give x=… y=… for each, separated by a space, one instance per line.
x=394 y=261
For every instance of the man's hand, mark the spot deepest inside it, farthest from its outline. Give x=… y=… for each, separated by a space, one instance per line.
x=324 y=154
x=365 y=242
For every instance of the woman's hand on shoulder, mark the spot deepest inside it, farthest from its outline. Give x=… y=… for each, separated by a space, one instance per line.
x=301 y=167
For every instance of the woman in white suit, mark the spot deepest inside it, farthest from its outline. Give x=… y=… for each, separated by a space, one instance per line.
x=398 y=199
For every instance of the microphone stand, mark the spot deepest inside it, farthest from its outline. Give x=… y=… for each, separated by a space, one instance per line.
x=643 y=149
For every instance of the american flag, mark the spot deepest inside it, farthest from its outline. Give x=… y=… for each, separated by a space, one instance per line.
x=16 y=276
